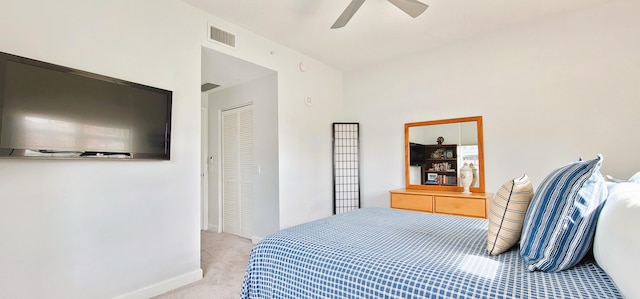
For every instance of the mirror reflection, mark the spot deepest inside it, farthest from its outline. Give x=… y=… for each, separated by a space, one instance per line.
x=436 y=151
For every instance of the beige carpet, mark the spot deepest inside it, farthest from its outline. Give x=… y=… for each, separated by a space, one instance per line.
x=224 y=260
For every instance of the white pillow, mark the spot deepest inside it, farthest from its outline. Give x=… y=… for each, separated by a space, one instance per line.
x=616 y=245
x=635 y=178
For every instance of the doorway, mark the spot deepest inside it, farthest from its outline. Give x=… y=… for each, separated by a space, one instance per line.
x=240 y=83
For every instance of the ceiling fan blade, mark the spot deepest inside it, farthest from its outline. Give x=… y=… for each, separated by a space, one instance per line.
x=347 y=14
x=411 y=7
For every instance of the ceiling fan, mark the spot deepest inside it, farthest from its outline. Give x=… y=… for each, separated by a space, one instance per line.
x=411 y=7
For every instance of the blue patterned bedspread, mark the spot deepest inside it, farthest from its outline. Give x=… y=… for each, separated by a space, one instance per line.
x=387 y=253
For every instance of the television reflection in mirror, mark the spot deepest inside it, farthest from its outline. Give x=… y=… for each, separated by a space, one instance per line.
x=56 y=112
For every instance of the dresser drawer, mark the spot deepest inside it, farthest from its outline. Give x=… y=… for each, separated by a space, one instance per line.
x=473 y=207
x=422 y=203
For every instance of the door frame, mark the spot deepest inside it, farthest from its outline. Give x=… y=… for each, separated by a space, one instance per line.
x=205 y=167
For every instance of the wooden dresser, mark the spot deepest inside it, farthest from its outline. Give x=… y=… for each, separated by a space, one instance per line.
x=442 y=202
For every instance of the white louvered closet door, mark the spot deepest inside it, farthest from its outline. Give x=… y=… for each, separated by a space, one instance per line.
x=237 y=171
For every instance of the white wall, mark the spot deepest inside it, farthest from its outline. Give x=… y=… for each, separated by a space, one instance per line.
x=263 y=95
x=304 y=141
x=548 y=92
x=100 y=229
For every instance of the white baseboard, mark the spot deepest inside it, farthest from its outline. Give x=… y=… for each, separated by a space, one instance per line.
x=214 y=228
x=163 y=286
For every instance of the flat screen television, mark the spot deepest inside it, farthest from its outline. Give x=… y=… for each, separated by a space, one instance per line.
x=52 y=111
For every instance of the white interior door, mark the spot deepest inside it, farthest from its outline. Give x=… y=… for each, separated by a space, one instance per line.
x=237 y=171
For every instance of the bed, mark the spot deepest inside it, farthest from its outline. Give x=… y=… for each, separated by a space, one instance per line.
x=388 y=253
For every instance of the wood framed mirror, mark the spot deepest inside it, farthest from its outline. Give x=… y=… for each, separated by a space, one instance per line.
x=436 y=150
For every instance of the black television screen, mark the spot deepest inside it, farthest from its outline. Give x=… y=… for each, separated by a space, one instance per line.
x=417 y=154
x=52 y=111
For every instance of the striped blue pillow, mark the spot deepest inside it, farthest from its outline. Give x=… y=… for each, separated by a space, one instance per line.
x=561 y=219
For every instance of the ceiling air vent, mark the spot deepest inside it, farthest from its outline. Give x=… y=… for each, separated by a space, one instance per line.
x=208 y=86
x=221 y=36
